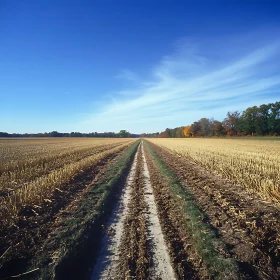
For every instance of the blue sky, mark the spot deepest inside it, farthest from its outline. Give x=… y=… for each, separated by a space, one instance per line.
x=136 y=65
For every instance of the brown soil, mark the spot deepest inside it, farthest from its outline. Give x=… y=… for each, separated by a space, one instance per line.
x=35 y=222
x=247 y=225
x=134 y=258
x=186 y=261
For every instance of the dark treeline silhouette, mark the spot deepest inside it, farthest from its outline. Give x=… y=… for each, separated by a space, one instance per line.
x=121 y=134
x=254 y=121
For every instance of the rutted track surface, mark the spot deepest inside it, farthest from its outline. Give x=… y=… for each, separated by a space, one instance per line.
x=160 y=257
x=185 y=259
x=106 y=264
x=133 y=245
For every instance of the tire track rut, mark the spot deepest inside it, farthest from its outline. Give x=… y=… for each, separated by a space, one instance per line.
x=133 y=246
x=162 y=268
x=106 y=264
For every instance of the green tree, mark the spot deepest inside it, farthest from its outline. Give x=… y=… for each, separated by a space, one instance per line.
x=218 y=128
x=249 y=117
x=274 y=118
x=124 y=134
x=232 y=123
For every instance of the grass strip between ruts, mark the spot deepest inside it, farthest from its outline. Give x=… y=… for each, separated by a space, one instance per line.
x=204 y=237
x=79 y=237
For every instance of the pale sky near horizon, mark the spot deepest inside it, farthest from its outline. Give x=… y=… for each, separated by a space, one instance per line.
x=142 y=66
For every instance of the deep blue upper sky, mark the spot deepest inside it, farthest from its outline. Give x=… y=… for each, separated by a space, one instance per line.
x=136 y=65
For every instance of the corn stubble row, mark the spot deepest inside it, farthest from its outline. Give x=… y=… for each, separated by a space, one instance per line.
x=13 y=174
x=252 y=164
x=28 y=177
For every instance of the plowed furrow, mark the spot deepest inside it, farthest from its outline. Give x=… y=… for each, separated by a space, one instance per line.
x=247 y=225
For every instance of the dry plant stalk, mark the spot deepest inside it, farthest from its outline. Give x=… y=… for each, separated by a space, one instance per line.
x=254 y=164
x=30 y=170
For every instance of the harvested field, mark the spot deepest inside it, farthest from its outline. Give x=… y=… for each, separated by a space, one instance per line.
x=29 y=177
x=247 y=225
x=254 y=165
x=28 y=214
x=142 y=210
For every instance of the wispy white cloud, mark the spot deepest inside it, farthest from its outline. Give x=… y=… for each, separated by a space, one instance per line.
x=188 y=85
x=127 y=74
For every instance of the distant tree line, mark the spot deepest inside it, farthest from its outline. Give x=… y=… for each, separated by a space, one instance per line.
x=254 y=121
x=121 y=134
x=151 y=135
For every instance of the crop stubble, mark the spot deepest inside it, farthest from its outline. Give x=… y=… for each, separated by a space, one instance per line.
x=23 y=235
x=255 y=165
x=247 y=225
x=35 y=178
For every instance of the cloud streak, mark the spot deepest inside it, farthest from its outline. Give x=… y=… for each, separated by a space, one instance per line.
x=127 y=74
x=188 y=85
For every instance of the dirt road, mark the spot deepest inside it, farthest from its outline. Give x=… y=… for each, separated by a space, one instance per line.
x=133 y=244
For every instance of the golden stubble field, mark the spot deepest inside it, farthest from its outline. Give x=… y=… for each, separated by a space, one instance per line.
x=31 y=169
x=69 y=199
x=254 y=164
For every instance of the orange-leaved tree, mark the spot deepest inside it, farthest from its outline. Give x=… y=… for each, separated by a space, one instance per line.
x=187 y=131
